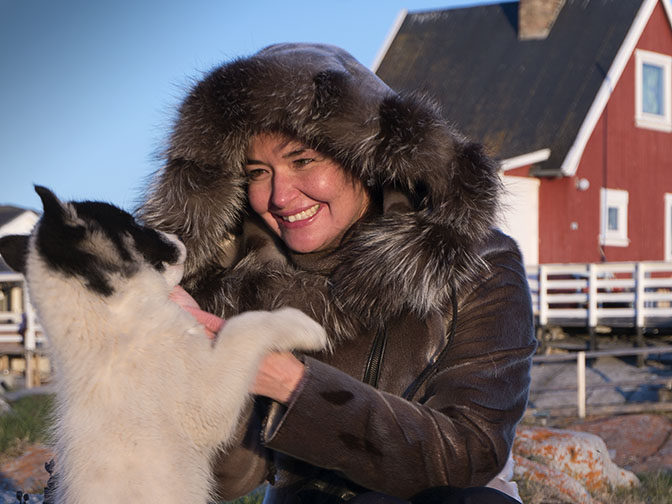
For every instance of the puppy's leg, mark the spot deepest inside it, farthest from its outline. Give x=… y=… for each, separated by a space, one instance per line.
x=228 y=371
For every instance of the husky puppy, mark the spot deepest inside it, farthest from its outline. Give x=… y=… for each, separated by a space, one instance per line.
x=144 y=397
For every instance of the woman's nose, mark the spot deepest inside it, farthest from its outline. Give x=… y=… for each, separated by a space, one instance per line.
x=283 y=190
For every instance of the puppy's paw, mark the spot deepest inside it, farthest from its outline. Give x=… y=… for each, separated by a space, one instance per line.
x=298 y=331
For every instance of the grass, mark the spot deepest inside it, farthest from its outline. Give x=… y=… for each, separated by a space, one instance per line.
x=656 y=488
x=254 y=497
x=28 y=422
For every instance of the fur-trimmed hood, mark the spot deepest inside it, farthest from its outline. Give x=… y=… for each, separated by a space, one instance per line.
x=395 y=262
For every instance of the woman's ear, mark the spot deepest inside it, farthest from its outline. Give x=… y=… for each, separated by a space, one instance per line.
x=14 y=250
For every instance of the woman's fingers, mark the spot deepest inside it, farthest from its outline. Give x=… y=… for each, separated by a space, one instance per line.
x=183 y=298
x=211 y=322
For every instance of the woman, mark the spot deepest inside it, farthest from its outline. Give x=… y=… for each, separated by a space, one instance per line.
x=296 y=177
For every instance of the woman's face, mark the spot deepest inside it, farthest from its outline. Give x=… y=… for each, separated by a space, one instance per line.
x=302 y=195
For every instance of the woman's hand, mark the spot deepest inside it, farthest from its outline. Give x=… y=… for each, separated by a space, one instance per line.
x=278 y=376
x=212 y=323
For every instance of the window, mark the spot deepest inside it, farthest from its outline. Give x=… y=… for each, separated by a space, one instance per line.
x=653 y=89
x=614 y=217
x=668 y=227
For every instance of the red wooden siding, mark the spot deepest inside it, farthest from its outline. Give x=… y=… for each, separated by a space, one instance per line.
x=617 y=156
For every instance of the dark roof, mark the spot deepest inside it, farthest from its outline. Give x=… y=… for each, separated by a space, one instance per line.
x=514 y=96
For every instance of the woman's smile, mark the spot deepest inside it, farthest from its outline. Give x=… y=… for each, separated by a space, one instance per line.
x=299 y=217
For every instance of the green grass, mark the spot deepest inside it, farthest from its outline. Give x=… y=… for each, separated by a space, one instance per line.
x=28 y=422
x=656 y=488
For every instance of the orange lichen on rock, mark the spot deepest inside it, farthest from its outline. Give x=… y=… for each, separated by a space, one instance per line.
x=582 y=456
x=557 y=481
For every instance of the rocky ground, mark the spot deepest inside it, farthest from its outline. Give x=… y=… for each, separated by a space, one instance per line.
x=24 y=473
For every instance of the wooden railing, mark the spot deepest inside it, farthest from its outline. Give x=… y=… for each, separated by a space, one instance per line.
x=20 y=333
x=634 y=294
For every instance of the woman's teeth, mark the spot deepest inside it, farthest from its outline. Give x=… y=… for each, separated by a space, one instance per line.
x=306 y=214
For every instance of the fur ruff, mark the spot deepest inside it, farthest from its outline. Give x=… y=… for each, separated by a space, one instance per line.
x=325 y=98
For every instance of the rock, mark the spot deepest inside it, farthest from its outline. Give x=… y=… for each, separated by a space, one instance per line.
x=580 y=455
x=562 y=486
x=26 y=472
x=641 y=443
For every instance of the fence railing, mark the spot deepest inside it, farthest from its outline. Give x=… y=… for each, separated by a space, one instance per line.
x=634 y=294
x=581 y=387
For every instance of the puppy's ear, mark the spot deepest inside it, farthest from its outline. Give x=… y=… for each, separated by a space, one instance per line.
x=14 y=250
x=53 y=208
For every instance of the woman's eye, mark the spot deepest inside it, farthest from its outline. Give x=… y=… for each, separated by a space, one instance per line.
x=255 y=174
x=303 y=161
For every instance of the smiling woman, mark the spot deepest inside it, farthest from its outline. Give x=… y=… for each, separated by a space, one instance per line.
x=305 y=197
x=296 y=177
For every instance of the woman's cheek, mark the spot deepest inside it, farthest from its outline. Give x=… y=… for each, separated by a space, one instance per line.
x=255 y=195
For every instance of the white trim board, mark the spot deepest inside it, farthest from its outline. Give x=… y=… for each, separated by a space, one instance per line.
x=391 y=35
x=571 y=161
x=525 y=159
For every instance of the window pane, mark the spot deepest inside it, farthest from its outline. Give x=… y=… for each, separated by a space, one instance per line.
x=652 y=89
x=612 y=219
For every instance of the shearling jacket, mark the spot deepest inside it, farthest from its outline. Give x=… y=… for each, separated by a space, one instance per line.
x=426 y=305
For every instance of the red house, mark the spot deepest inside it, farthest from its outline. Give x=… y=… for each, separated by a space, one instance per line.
x=575 y=98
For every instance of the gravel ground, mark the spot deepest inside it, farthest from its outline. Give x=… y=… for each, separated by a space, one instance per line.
x=9 y=497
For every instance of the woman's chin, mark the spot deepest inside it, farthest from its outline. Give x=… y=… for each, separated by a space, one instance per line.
x=302 y=246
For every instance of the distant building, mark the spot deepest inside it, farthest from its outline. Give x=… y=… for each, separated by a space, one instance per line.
x=574 y=97
x=15 y=220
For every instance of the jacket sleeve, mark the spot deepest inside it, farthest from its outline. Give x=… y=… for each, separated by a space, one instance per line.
x=244 y=465
x=459 y=433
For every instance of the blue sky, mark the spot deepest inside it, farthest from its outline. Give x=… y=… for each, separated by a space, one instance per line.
x=89 y=87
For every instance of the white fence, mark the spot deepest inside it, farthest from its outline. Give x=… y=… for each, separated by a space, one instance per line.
x=634 y=294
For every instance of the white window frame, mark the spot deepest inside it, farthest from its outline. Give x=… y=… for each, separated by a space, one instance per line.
x=614 y=198
x=643 y=119
x=668 y=227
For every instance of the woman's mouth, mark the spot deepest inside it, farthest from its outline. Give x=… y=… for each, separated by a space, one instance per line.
x=303 y=215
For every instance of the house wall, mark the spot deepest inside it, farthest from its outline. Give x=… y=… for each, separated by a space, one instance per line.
x=618 y=155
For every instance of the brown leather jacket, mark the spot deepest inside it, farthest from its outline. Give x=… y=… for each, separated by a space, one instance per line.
x=472 y=379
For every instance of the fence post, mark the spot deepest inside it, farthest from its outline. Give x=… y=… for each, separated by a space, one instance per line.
x=15 y=300
x=639 y=308
x=29 y=339
x=592 y=305
x=581 y=383
x=543 y=293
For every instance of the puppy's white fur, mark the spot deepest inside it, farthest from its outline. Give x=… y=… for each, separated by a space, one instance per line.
x=144 y=397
